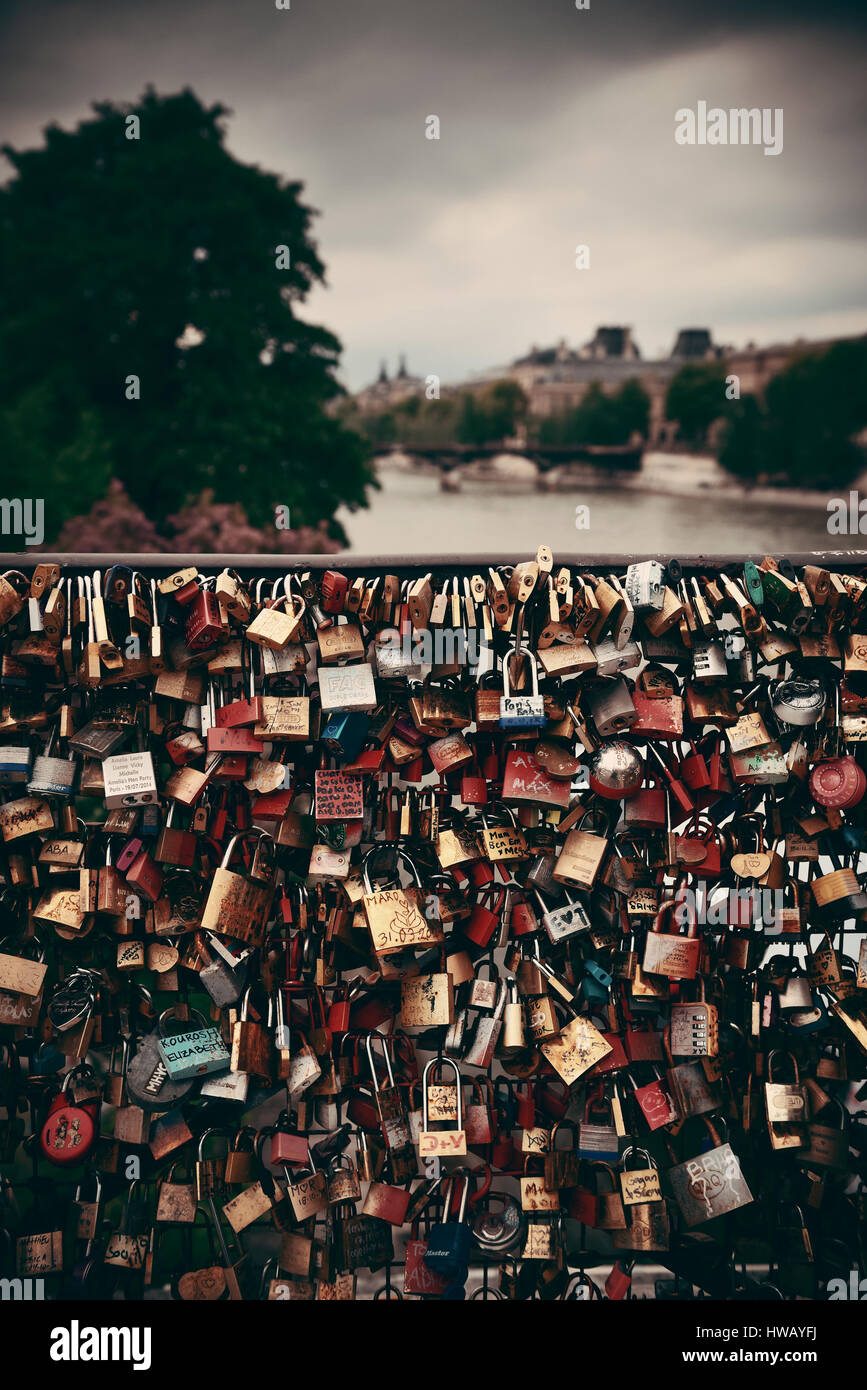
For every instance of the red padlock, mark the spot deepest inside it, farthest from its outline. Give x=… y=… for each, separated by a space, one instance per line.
x=130 y=852
x=656 y=1104
x=387 y=1202
x=694 y=769
x=333 y=591
x=362 y=1110
x=234 y=739
x=522 y=920
x=146 y=875
x=619 y=1281
x=646 y=810
x=474 y=788
x=679 y=791
x=339 y=1010
x=232 y=767
x=710 y=866
x=485 y=919
x=838 y=783
x=412 y=772
x=643 y=1043
x=71 y=1127
x=481 y=872
x=584 y=1206
x=204 y=621
x=526 y=1108
x=478 y=1123
x=287 y=1146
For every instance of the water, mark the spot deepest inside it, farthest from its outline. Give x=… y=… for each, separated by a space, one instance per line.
x=411 y=515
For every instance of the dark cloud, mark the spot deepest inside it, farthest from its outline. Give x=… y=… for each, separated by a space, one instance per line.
x=557 y=128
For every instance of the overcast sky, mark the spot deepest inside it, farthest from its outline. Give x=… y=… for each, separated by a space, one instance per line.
x=557 y=129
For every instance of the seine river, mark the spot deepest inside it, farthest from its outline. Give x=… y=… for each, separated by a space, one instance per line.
x=411 y=514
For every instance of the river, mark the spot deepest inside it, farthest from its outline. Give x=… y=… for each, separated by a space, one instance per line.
x=677 y=505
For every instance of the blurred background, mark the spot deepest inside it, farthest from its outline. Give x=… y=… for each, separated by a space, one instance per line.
x=294 y=278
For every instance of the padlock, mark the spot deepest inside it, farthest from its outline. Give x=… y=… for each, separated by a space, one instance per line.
x=521 y=711
x=71 y=1127
x=673 y=955
x=191 y=1054
x=444 y=1142
x=450 y=1240
x=639 y=1184
x=695 y=1028
x=711 y=1184
x=238 y=905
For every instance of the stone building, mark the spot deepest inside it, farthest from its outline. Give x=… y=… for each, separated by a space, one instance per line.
x=557 y=378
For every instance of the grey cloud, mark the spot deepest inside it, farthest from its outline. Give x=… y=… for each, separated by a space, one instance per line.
x=557 y=127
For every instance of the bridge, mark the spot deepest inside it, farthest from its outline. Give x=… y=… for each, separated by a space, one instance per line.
x=449 y=457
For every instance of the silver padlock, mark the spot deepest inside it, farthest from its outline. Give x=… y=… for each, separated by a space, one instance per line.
x=480 y=1052
x=797 y=701
x=611 y=708
x=540 y=876
x=611 y=659
x=94 y=740
x=645 y=586
x=741 y=655
x=52 y=776
x=708 y=660
x=565 y=920
x=223 y=981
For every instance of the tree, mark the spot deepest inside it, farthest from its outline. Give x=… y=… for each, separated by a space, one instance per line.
x=696 y=397
x=804 y=434
x=148 y=329
x=742 y=443
x=601 y=417
x=118 y=525
x=492 y=414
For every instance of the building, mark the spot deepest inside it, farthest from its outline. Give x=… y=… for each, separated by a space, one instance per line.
x=387 y=391
x=557 y=378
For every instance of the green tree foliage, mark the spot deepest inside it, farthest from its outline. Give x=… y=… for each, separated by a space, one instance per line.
x=696 y=397
x=804 y=432
x=466 y=417
x=601 y=417
x=492 y=414
x=110 y=247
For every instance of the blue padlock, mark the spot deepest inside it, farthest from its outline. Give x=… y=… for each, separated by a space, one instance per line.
x=344 y=733
x=448 y=1247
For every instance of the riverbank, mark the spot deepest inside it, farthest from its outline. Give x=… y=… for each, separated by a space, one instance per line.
x=663 y=474
x=671 y=511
